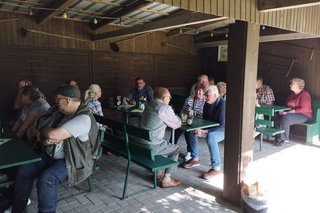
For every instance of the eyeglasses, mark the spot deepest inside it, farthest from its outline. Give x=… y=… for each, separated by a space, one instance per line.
x=60 y=98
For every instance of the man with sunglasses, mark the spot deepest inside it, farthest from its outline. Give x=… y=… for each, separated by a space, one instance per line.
x=69 y=133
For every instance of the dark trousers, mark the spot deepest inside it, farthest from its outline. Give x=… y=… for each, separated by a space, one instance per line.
x=290 y=119
x=177 y=134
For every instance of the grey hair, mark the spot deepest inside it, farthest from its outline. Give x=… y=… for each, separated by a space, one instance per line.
x=214 y=89
x=91 y=91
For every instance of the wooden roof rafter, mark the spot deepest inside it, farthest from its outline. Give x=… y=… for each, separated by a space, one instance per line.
x=164 y=24
x=273 y=5
x=120 y=13
x=57 y=6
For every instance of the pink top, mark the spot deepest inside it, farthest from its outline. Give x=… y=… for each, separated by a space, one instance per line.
x=301 y=103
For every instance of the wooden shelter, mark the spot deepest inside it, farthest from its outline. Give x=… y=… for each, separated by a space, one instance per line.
x=51 y=42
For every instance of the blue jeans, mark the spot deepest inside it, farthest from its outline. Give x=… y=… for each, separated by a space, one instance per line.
x=50 y=175
x=290 y=119
x=212 y=139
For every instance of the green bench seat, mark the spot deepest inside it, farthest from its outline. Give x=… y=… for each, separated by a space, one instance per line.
x=309 y=129
x=123 y=143
x=265 y=126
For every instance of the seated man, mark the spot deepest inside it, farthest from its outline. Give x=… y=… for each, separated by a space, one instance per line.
x=264 y=93
x=69 y=134
x=156 y=117
x=203 y=80
x=141 y=92
x=213 y=110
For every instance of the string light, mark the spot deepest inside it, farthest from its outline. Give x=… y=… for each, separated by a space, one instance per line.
x=30 y=13
x=197 y=31
x=211 y=35
x=227 y=35
x=263 y=27
x=95 y=21
x=180 y=31
x=65 y=15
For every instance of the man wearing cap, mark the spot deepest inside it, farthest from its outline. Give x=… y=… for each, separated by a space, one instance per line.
x=69 y=134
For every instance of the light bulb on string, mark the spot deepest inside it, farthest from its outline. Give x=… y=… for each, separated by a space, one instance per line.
x=30 y=12
x=95 y=21
x=180 y=31
x=211 y=35
x=65 y=15
x=227 y=35
x=263 y=27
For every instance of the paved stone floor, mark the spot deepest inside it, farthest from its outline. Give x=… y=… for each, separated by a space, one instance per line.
x=196 y=194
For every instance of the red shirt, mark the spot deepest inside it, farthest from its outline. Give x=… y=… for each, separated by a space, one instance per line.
x=301 y=103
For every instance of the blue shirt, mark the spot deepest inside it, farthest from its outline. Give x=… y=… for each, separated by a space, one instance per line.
x=145 y=92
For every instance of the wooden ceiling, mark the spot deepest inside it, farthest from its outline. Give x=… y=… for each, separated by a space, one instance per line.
x=143 y=16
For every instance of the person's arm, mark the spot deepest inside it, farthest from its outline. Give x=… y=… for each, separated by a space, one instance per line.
x=73 y=128
x=167 y=114
x=30 y=119
x=16 y=125
x=150 y=94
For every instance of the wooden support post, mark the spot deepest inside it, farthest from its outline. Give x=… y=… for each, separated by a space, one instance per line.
x=241 y=80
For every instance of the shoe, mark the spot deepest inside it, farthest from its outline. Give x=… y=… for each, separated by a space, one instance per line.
x=210 y=174
x=278 y=143
x=160 y=175
x=191 y=163
x=286 y=142
x=188 y=156
x=9 y=210
x=169 y=184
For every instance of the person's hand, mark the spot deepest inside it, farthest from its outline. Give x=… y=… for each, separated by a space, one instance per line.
x=49 y=141
x=283 y=113
x=133 y=102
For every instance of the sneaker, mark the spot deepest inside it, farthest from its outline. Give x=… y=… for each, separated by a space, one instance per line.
x=9 y=210
x=188 y=156
x=191 y=163
x=172 y=183
x=210 y=174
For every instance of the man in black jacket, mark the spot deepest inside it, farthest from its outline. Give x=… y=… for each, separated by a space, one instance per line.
x=213 y=110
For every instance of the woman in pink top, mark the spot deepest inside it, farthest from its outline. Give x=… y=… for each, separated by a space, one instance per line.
x=299 y=101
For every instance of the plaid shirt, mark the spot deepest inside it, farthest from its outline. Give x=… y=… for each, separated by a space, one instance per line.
x=95 y=107
x=265 y=94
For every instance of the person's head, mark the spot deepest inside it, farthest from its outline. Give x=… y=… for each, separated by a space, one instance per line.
x=29 y=94
x=68 y=98
x=23 y=83
x=140 y=83
x=94 y=91
x=211 y=81
x=212 y=94
x=204 y=80
x=162 y=94
x=222 y=88
x=199 y=91
x=259 y=82
x=72 y=83
x=297 y=85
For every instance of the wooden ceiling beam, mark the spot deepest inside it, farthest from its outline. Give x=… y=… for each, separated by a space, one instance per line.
x=169 y=23
x=262 y=39
x=273 y=5
x=208 y=27
x=57 y=6
x=285 y=37
x=120 y=13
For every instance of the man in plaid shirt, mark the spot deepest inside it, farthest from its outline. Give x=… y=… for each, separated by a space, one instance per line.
x=264 y=93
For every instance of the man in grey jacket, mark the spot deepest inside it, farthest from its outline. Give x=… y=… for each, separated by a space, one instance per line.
x=156 y=117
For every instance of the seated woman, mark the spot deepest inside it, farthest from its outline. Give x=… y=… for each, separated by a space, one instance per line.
x=299 y=101
x=194 y=103
x=33 y=107
x=91 y=96
x=222 y=87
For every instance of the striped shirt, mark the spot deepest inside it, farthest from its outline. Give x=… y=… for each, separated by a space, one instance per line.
x=195 y=105
x=95 y=107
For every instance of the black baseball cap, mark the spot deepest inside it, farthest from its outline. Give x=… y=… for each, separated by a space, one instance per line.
x=68 y=91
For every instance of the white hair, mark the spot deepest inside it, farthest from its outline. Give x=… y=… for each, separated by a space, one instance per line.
x=91 y=91
x=213 y=89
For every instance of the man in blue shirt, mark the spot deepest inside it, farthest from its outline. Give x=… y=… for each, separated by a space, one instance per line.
x=213 y=110
x=141 y=92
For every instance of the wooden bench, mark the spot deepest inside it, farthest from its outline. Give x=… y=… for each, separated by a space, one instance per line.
x=265 y=126
x=309 y=130
x=122 y=144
